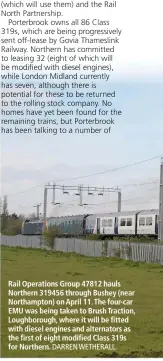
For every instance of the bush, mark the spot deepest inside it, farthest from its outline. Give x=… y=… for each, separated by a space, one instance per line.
x=93 y=237
x=11 y=227
x=50 y=236
x=117 y=252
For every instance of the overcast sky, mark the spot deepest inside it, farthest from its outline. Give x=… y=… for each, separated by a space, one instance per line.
x=28 y=160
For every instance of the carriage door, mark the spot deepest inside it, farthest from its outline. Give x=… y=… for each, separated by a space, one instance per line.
x=116 y=225
x=98 y=225
x=156 y=224
x=84 y=226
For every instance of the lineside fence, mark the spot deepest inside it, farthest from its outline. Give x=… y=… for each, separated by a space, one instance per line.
x=137 y=252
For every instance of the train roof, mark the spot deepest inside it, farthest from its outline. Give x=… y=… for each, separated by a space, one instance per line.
x=132 y=213
x=110 y=215
x=124 y=213
x=150 y=211
x=100 y=214
x=79 y=216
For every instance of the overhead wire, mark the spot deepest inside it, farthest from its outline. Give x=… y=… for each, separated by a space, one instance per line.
x=90 y=175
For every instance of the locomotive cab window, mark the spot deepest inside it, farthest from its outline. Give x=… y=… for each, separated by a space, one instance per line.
x=142 y=221
x=123 y=222
x=129 y=222
x=149 y=221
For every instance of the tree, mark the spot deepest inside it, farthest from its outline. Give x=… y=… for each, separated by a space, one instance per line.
x=4 y=216
x=10 y=224
x=22 y=217
x=31 y=216
x=5 y=207
x=14 y=215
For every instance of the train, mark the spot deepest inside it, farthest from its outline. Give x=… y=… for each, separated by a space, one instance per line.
x=129 y=223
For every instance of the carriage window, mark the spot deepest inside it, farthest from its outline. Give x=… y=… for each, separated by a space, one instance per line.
x=110 y=223
x=141 y=221
x=123 y=222
x=149 y=221
x=104 y=224
x=129 y=221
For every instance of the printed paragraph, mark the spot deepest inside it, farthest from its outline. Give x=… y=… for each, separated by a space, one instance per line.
x=67 y=315
x=56 y=66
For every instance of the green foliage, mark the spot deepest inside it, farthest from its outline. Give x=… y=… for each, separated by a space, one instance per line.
x=93 y=237
x=13 y=227
x=10 y=224
x=129 y=239
x=104 y=248
x=50 y=235
x=136 y=239
x=117 y=252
